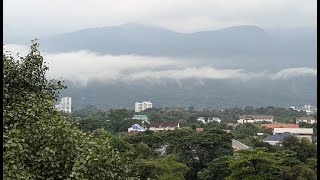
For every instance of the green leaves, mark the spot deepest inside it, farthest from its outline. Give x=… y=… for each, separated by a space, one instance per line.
x=41 y=143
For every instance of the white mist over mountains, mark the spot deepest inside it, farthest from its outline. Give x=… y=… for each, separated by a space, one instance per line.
x=81 y=67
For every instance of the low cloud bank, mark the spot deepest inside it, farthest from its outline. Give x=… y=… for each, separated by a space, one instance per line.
x=83 y=66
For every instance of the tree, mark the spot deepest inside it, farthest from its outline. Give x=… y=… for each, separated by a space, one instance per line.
x=143 y=151
x=248 y=110
x=98 y=159
x=243 y=131
x=197 y=149
x=161 y=168
x=304 y=148
x=38 y=141
x=293 y=168
x=218 y=169
x=255 y=164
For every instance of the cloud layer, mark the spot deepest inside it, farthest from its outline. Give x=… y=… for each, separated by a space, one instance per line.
x=82 y=67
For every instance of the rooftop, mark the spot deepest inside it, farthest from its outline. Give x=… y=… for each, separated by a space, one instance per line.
x=280 y=125
x=239 y=145
x=163 y=124
x=140 y=117
x=277 y=137
x=306 y=118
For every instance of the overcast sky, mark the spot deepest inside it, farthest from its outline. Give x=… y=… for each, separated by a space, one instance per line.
x=38 y=17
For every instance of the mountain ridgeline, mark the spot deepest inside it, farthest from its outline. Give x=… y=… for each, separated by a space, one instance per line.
x=248 y=47
x=145 y=40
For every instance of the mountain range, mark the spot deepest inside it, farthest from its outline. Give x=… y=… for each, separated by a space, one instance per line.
x=249 y=47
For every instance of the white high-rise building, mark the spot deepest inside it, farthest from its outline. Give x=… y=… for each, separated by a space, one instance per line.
x=65 y=104
x=138 y=107
x=309 y=109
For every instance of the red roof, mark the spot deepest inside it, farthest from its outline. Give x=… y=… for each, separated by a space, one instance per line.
x=156 y=124
x=280 y=125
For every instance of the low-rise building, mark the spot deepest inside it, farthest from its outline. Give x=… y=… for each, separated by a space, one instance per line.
x=277 y=138
x=237 y=145
x=307 y=119
x=255 y=118
x=140 y=117
x=136 y=128
x=201 y=119
x=160 y=126
x=199 y=129
x=214 y=119
x=227 y=130
x=298 y=132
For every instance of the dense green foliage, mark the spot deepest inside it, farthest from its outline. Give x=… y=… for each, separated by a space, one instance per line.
x=160 y=168
x=191 y=148
x=41 y=143
x=217 y=169
x=261 y=163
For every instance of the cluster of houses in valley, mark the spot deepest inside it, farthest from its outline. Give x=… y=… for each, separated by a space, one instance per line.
x=280 y=131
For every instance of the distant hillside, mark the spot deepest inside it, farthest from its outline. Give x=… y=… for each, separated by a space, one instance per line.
x=214 y=93
x=245 y=41
x=248 y=47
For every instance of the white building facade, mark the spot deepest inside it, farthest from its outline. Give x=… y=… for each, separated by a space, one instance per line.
x=255 y=118
x=138 y=107
x=298 y=132
x=201 y=119
x=309 y=120
x=65 y=104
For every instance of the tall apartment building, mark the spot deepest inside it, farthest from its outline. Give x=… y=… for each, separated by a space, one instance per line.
x=65 y=104
x=138 y=107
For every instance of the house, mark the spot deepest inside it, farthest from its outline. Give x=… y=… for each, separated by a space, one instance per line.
x=140 y=117
x=255 y=118
x=279 y=126
x=260 y=132
x=214 y=119
x=199 y=129
x=231 y=125
x=308 y=119
x=136 y=128
x=277 y=138
x=227 y=130
x=237 y=145
x=202 y=119
x=160 y=126
x=298 y=132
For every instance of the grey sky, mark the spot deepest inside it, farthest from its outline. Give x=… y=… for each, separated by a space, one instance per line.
x=38 y=17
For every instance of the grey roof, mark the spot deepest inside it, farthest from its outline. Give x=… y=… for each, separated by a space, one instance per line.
x=239 y=145
x=277 y=137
